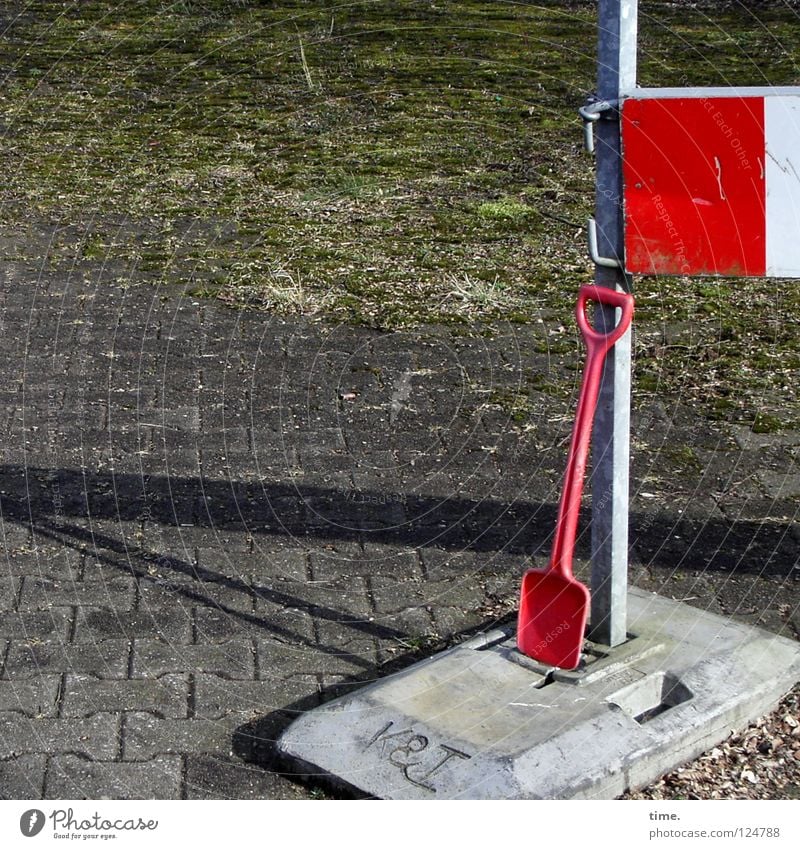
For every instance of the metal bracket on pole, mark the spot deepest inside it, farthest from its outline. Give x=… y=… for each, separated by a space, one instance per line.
x=591 y=112
x=605 y=261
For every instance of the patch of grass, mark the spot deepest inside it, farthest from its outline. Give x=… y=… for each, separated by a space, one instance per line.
x=505 y=210
x=271 y=286
x=683 y=456
x=514 y=403
x=766 y=423
x=472 y=297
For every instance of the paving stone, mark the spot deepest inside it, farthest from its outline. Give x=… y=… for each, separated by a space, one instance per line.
x=71 y=777
x=44 y=593
x=38 y=697
x=57 y=563
x=181 y=543
x=349 y=654
x=220 y=626
x=783 y=483
x=373 y=560
x=96 y=737
x=216 y=697
x=218 y=777
x=266 y=563
x=85 y=695
x=22 y=626
x=342 y=600
x=232 y=659
x=747 y=440
x=447 y=621
x=444 y=564
x=393 y=596
x=146 y=736
x=173 y=626
x=412 y=622
x=221 y=560
x=106 y=659
x=22 y=777
x=188 y=593
x=9 y=592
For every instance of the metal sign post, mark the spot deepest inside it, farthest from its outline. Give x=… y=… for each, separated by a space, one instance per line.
x=616 y=77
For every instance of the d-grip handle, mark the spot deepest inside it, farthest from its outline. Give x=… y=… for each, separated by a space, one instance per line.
x=607 y=297
x=598 y=345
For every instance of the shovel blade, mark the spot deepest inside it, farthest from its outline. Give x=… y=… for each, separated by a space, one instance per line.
x=552 y=618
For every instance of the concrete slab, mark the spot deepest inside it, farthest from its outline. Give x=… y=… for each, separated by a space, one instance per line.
x=482 y=721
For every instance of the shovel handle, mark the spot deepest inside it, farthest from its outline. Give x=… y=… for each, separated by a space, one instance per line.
x=607 y=297
x=598 y=344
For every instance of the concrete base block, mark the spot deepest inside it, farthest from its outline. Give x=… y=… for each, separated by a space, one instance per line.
x=482 y=721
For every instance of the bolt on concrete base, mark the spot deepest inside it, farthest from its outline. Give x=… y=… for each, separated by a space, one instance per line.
x=482 y=721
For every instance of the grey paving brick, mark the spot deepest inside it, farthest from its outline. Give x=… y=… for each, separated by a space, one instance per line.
x=97 y=737
x=374 y=560
x=392 y=595
x=183 y=462
x=450 y=620
x=22 y=777
x=85 y=695
x=49 y=561
x=146 y=736
x=173 y=626
x=349 y=654
x=71 y=777
x=443 y=564
x=220 y=626
x=9 y=591
x=232 y=659
x=412 y=622
x=189 y=593
x=219 y=777
x=105 y=659
x=215 y=697
x=37 y=697
x=342 y=600
x=43 y=593
x=24 y=626
x=14 y=536
x=267 y=563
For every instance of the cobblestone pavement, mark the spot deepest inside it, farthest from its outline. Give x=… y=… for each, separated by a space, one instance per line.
x=213 y=519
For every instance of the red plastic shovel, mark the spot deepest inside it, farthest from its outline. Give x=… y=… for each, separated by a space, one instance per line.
x=554 y=606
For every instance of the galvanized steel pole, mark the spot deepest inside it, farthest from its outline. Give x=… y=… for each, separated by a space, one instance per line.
x=616 y=76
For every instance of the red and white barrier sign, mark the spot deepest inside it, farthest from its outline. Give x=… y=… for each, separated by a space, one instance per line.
x=712 y=182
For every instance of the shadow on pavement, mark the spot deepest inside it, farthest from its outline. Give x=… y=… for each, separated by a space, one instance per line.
x=303 y=513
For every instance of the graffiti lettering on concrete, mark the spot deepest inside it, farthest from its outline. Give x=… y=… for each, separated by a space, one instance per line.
x=413 y=754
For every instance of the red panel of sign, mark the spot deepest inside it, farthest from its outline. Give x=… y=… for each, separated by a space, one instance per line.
x=694 y=190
